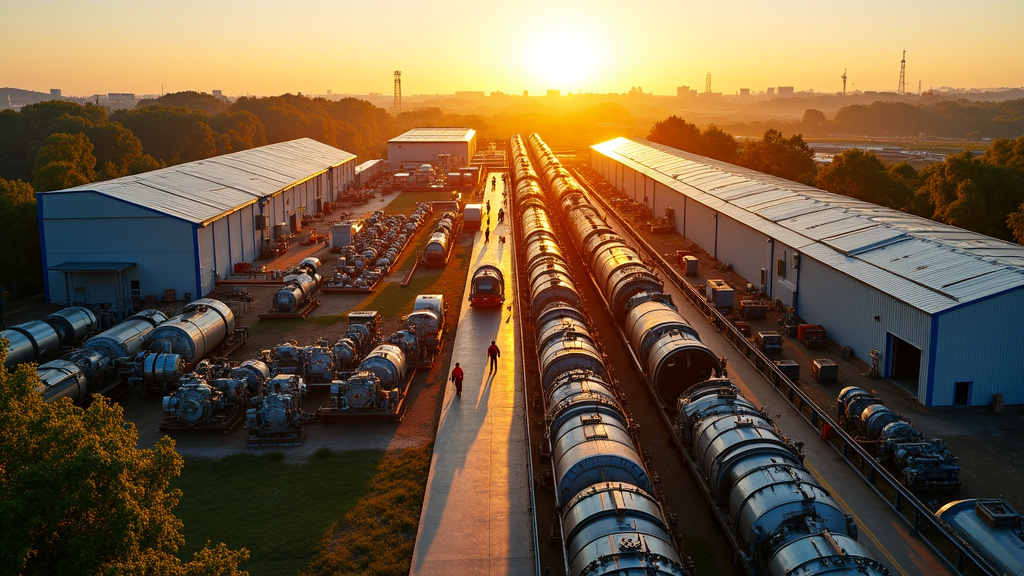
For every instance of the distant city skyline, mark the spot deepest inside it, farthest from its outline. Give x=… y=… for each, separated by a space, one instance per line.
x=264 y=48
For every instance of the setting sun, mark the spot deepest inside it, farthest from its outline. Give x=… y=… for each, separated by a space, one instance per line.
x=564 y=60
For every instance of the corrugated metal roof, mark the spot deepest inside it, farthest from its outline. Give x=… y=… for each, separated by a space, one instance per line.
x=204 y=190
x=436 y=135
x=929 y=265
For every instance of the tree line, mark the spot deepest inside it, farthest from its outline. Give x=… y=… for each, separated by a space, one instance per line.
x=928 y=116
x=983 y=193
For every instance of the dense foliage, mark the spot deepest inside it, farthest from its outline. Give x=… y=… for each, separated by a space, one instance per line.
x=926 y=116
x=78 y=497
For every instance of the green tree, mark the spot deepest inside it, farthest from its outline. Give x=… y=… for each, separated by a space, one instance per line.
x=1005 y=152
x=677 y=133
x=963 y=183
x=65 y=160
x=790 y=158
x=19 y=244
x=78 y=497
x=718 y=144
x=862 y=175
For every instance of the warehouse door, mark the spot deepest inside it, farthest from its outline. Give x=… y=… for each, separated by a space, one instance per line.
x=906 y=362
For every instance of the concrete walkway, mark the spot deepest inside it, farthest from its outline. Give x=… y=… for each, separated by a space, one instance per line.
x=476 y=513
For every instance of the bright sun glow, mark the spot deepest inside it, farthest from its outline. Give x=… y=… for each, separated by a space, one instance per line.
x=564 y=60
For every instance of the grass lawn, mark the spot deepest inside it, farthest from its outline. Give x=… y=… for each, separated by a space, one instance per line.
x=279 y=511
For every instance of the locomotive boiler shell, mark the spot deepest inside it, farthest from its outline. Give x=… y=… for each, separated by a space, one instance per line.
x=32 y=341
x=621 y=521
x=196 y=331
x=128 y=337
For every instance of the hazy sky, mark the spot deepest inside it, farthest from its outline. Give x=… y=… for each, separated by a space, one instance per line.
x=269 y=47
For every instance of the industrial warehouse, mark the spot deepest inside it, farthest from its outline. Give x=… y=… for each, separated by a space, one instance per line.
x=910 y=288
x=442 y=147
x=179 y=229
x=540 y=463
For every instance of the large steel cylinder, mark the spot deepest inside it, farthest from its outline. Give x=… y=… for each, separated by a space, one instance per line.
x=196 y=331
x=617 y=528
x=128 y=337
x=32 y=341
x=62 y=379
x=73 y=323
x=162 y=367
x=593 y=448
x=825 y=554
x=388 y=363
x=993 y=527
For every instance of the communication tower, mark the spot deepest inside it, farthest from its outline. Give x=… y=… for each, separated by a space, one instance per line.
x=903 y=75
x=398 y=92
x=844 y=81
x=707 y=84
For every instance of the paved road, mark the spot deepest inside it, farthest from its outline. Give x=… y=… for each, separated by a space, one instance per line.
x=476 y=511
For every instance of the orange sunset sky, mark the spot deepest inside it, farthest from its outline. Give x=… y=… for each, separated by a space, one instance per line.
x=270 y=47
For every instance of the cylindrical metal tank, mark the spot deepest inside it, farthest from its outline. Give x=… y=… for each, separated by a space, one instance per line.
x=824 y=554
x=62 y=379
x=196 y=331
x=159 y=367
x=253 y=372
x=73 y=323
x=992 y=527
x=617 y=528
x=388 y=363
x=128 y=337
x=566 y=344
x=595 y=447
x=437 y=248
x=552 y=283
x=32 y=341
x=299 y=288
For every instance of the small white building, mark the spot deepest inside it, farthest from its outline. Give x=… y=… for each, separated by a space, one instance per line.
x=446 y=148
x=943 y=305
x=181 y=227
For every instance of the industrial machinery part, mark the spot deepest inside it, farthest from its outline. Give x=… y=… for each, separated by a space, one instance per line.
x=276 y=415
x=39 y=341
x=782 y=521
x=427 y=320
x=921 y=463
x=299 y=290
x=197 y=330
x=201 y=404
x=992 y=527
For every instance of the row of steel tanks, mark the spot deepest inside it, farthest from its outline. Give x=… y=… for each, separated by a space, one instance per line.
x=921 y=463
x=147 y=349
x=442 y=238
x=778 y=518
x=782 y=520
x=611 y=521
x=668 y=348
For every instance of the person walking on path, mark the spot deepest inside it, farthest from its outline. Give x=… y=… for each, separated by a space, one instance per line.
x=487 y=234
x=493 y=354
x=457 y=376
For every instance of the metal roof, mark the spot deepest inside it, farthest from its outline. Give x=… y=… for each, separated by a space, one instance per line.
x=930 y=265
x=436 y=135
x=204 y=190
